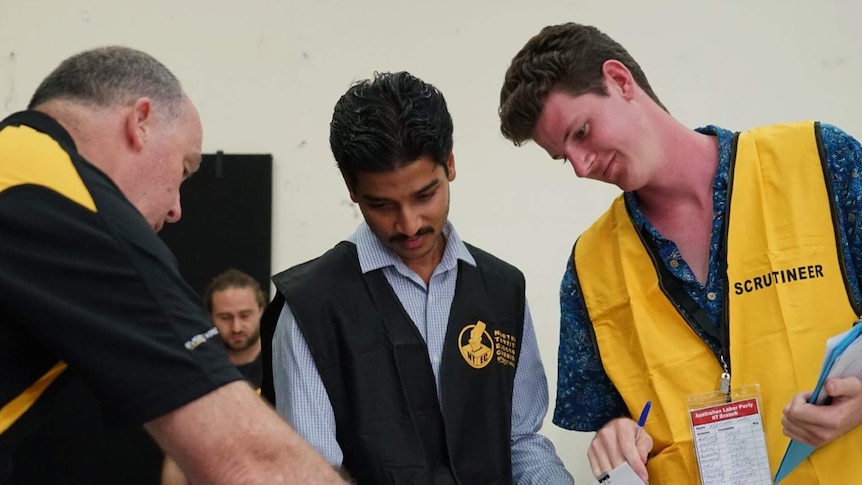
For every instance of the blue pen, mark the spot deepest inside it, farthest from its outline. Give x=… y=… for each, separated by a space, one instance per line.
x=642 y=419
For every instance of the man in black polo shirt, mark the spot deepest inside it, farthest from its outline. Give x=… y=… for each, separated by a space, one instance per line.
x=91 y=298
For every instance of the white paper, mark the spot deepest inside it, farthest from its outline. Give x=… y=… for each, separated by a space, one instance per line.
x=848 y=363
x=621 y=475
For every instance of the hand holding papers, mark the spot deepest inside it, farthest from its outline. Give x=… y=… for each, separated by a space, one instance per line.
x=843 y=358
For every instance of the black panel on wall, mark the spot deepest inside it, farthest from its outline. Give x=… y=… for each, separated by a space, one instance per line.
x=227 y=220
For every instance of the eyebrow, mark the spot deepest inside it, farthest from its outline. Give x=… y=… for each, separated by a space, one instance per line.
x=194 y=163
x=566 y=136
x=434 y=183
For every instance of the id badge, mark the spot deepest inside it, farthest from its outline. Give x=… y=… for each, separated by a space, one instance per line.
x=729 y=441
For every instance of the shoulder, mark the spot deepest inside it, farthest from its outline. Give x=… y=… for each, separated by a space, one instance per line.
x=595 y=236
x=485 y=256
x=488 y=262
x=332 y=265
x=340 y=253
x=836 y=138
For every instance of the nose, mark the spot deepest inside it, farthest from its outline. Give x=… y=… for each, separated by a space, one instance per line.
x=175 y=212
x=409 y=222
x=581 y=160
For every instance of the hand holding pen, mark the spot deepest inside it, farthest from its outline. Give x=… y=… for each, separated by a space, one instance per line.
x=622 y=440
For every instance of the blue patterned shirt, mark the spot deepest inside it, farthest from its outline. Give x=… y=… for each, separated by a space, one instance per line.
x=302 y=399
x=586 y=398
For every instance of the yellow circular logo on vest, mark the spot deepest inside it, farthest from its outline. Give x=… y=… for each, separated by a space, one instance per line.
x=477 y=348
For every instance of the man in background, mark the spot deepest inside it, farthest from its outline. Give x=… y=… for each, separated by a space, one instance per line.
x=235 y=302
x=92 y=300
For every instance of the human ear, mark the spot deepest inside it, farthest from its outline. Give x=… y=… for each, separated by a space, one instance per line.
x=138 y=123
x=450 y=167
x=618 y=77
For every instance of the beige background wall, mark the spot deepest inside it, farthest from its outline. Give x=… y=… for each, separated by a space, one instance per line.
x=265 y=75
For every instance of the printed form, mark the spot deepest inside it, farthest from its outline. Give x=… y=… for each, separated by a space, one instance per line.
x=730 y=444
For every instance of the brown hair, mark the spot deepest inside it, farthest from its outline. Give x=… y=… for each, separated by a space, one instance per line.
x=233 y=278
x=567 y=57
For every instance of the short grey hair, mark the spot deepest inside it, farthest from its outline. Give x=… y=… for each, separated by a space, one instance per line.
x=111 y=76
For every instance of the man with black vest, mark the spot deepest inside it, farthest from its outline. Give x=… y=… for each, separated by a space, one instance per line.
x=402 y=354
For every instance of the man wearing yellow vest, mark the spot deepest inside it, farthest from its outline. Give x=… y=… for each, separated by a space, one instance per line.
x=729 y=259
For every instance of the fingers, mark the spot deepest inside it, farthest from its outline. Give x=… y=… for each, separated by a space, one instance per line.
x=618 y=442
x=799 y=433
x=796 y=403
x=604 y=452
x=817 y=425
x=599 y=462
x=644 y=445
x=843 y=387
x=799 y=421
x=812 y=434
x=636 y=453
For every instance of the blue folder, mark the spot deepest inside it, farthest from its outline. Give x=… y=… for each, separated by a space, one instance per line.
x=797 y=452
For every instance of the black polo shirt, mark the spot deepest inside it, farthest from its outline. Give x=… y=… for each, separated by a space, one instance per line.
x=88 y=293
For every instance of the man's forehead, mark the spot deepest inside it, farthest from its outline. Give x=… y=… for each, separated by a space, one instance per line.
x=413 y=177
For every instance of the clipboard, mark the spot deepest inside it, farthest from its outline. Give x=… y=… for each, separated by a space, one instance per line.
x=843 y=358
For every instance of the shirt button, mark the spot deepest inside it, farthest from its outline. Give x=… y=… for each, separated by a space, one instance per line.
x=710 y=296
x=674 y=263
x=435 y=360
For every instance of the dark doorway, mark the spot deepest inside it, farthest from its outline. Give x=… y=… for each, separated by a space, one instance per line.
x=227 y=220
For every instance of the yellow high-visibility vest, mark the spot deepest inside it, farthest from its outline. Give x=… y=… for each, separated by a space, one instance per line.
x=786 y=294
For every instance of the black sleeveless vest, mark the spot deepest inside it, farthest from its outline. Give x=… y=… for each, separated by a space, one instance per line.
x=375 y=367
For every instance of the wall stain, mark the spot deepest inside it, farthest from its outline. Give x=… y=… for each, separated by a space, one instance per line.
x=833 y=62
x=12 y=95
x=353 y=206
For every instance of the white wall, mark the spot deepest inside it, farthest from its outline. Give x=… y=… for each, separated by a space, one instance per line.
x=265 y=75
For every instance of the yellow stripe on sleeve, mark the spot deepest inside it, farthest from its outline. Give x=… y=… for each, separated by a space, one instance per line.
x=14 y=409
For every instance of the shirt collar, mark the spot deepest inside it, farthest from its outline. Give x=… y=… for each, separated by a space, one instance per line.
x=44 y=123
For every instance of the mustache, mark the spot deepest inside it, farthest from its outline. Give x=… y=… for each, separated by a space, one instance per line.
x=403 y=237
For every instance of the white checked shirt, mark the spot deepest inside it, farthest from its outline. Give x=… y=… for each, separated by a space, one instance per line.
x=303 y=401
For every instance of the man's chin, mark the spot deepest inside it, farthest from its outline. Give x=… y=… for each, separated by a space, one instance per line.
x=410 y=254
x=237 y=346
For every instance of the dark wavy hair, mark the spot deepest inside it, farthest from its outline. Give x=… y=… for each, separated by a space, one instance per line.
x=387 y=122
x=567 y=57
